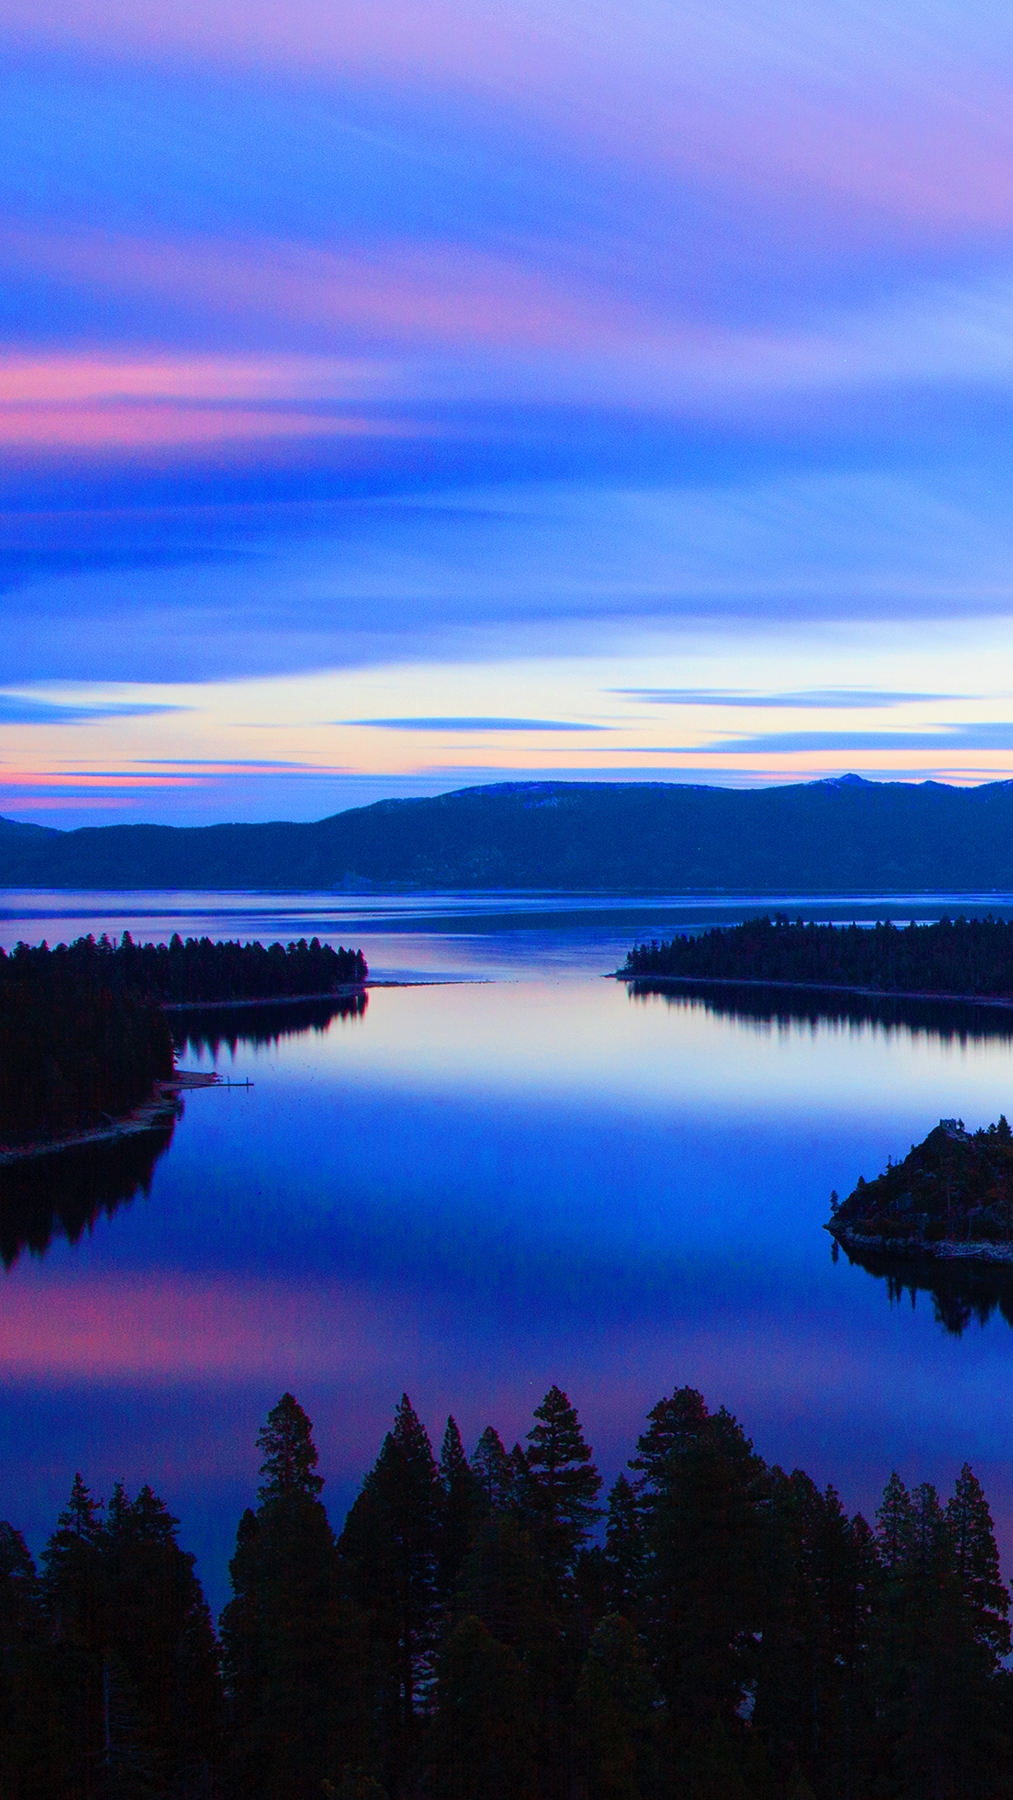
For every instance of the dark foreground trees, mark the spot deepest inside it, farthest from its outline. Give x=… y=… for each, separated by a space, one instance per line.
x=108 y=1658
x=731 y=1634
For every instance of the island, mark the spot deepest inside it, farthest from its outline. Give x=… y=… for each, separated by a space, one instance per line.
x=951 y=1197
x=953 y=959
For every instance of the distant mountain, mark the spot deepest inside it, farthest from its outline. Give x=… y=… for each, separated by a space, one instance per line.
x=12 y=829
x=843 y=835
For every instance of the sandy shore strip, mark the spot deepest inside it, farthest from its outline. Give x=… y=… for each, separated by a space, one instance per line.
x=149 y=1116
x=338 y=993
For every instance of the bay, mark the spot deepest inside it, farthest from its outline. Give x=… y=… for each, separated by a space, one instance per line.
x=514 y=1173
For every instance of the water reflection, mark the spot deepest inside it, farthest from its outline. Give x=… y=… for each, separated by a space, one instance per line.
x=951 y=1021
x=473 y=1190
x=205 y=1030
x=962 y=1293
x=63 y=1194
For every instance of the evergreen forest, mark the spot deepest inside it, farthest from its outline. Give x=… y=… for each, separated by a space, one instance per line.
x=489 y=1627
x=74 y=1050
x=966 y=957
x=83 y=1034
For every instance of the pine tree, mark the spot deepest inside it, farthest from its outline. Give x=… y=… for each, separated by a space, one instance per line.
x=164 y=1669
x=811 y=1707
x=290 y=1455
x=73 y=1602
x=618 y=1707
x=977 y=1558
x=504 y=1585
x=485 y=1725
x=703 y=1493
x=940 y=1695
x=494 y=1472
x=298 y=1666
x=134 y=1657
x=624 y=1550
x=460 y=1507
x=26 y=1761
x=562 y=1485
x=391 y=1537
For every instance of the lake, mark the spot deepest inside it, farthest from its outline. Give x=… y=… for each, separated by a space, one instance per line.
x=513 y=1173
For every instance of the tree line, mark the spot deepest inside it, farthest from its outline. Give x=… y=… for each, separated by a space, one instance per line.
x=483 y=1628
x=953 y=956
x=82 y=1035
x=199 y=970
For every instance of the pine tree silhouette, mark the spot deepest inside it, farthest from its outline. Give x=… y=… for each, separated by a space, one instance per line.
x=494 y=1472
x=298 y=1662
x=562 y=1484
x=290 y=1455
x=460 y=1507
x=391 y=1538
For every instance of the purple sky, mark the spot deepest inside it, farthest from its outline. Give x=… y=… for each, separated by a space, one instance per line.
x=398 y=395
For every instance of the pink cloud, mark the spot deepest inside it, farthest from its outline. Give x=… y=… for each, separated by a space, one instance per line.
x=835 y=108
x=395 y=293
x=143 y=427
x=104 y=377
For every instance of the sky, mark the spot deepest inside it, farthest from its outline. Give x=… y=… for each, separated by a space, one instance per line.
x=404 y=395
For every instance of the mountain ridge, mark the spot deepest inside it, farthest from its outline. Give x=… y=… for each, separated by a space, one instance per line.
x=835 y=835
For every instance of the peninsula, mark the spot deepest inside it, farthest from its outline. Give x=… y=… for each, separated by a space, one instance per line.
x=956 y=959
x=951 y=1197
x=85 y=1044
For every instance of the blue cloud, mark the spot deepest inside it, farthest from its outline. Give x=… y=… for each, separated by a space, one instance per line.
x=997 y=735
x=20 y=709
x=830 y=699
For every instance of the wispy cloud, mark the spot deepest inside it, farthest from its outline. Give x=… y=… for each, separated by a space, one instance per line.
x=473 y=725
x=944 y=741
x=809 y=699
x=24 y=709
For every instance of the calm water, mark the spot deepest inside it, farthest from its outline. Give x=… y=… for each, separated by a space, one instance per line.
x=475 y=1188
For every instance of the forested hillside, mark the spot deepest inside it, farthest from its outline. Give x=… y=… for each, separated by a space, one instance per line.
x=842 y=835
x=471 y=1634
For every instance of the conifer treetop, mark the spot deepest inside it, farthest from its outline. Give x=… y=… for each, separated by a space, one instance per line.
x=290 y=1455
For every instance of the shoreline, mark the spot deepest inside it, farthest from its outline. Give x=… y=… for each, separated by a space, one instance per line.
x=161 y=1104
x=346 y=992
x=158 y=1109
x=814 y=987
x=926 y=1249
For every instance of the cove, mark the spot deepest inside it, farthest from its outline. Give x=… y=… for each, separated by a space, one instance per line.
x=523 y=1174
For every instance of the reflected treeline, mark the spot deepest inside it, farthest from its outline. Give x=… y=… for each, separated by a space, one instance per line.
x=962 y=1293
x=778 y=1006
x=62 y=1194
x=211 y=1028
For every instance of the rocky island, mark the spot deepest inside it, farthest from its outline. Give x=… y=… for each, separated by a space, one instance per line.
x=952 y=1197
